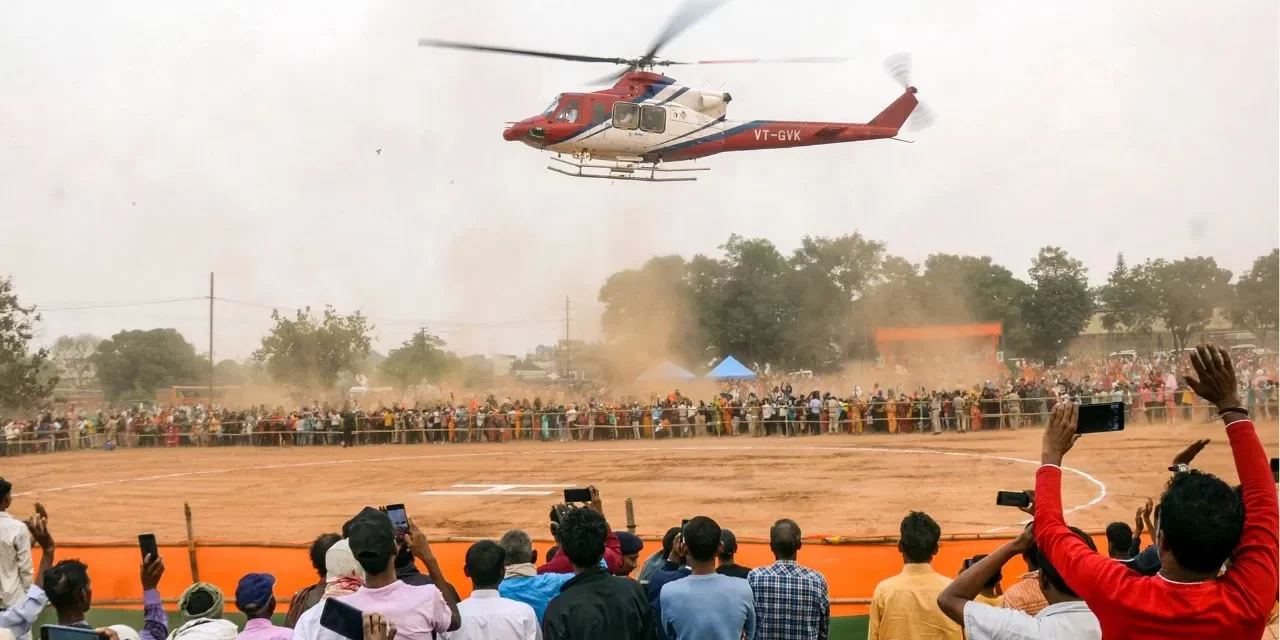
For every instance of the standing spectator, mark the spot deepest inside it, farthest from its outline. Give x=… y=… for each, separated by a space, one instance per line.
x=486 y=615
x=1067 y=616
x=521 y=581
x=905 y=606
x=344 y=576
x=1201 y=523
x=307 y=597
x=1025 y=595
x=69 y=591
x=656 y=561
x=1120 y=542
x=255 y=599
x=16 y=572
x=561 y=564
x=791 y=600
x=707 y=605
x=17 y=620
x=729 y=547
x=594 y=604
x=629 y=545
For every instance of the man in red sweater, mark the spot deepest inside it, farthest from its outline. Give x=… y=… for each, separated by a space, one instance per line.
x=1202 y=523
x=559 y=562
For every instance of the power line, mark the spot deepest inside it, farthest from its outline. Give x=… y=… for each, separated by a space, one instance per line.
x=116 y=305
x=412 y=321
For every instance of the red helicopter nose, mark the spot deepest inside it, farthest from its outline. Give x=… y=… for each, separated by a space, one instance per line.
x=514 y=132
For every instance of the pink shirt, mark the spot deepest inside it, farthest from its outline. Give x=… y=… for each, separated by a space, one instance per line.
x=417 y=611
x=262 y=629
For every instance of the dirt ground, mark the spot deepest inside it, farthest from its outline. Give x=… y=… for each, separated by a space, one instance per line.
x=833 y=485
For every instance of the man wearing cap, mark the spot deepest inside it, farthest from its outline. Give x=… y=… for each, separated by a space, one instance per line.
x=631 y=545
x=256 y=600
x=416 y=611
x=202 y=605
x=727 y=566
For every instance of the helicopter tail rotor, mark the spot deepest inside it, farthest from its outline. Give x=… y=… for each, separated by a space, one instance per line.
x=898 y=66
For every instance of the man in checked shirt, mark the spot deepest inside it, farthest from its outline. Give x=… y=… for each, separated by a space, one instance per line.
x=791 y=600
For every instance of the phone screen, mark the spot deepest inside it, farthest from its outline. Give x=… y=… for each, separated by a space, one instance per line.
x=58 y=632
x=147 y=543
x=399 y=519
x=968 y=562
x=342 y=619
x=1275 y=468
x=577 y=495
x=1013 y=499
x=1104 y=417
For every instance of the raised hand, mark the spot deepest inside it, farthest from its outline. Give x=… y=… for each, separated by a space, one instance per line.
x=1190 y=453
x=1216 y=375
x=152 y=570
x=1060 y=435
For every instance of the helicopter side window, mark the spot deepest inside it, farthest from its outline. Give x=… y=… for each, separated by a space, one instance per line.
x=626 y=115
x=653 y=119
x=569 y=113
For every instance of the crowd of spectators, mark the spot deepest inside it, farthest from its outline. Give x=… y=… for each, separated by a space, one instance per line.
x=1211 y=572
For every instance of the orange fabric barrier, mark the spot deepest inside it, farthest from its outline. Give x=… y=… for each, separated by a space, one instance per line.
x=852 y=569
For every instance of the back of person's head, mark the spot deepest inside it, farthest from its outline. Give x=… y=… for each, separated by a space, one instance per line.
x=702 y=538
x=372 y=538
x=339 y=562
x=1201 y=519
x=1119 y=540
x=201 y=600
x=6 y=493
x=918 y=537
x=582 y=537
x=67 y=585
x=1049 y=575
x=318 y=550
x=785 y=539
x=485 y=564
x=517 y=548
x=669 y=541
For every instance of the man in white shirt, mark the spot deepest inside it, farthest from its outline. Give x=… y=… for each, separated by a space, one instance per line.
x=16 y=572
x=486 y=615
x=1066 y=618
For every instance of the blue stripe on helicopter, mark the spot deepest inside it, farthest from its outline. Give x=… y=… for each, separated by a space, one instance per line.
x=674 y=95
x=716 y=137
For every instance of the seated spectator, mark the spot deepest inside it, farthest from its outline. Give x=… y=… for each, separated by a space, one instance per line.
x=521 y=581
x=629 y=545
x=706 y=605
x=307 y=597
x=256 y=600
x=659 y=557
x=729 y=547
x=486 y=615
x=70 y=593
x=989 y=595
x=202 y=605
x=905 y=606
x=18 y=619
x=1067 y=616
x=1120 y=542
x=594 y=604
x=1201 y=523
x=791 y=600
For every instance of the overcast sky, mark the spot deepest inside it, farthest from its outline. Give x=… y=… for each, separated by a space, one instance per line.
x=144 y=144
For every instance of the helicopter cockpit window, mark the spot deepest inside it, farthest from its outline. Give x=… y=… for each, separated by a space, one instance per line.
x=551 y=108
x=653 y=119
x=626 y=115
x=569 y=113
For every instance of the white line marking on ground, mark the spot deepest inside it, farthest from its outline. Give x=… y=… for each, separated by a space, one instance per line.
x=1102 y=488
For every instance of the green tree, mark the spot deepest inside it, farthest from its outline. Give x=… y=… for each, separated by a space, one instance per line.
x=25 y=379
x=229 y=372
x=1256 y=303
x=963 y=289
x=650 y=308
x=1060 y=304
x=73 y=357
x=1128 y=299
x=1186 y=292
x=311 y=353
x=131 y=365
x=422 y=358
x=754 y=302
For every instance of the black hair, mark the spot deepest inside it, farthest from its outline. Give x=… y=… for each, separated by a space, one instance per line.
x=6 y=488
x=784 y=538
x=995 y=579
x=1201 y=520
x=199 y=602
x=318 y=550
x=64 y=581
x=486 y=562
x=582 y=537
x=919 y=536
x=702 y=537
x=1051 y=574
x=1119 y=539
x=669 y=540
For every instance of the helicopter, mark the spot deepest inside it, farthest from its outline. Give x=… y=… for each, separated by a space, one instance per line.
x=646 y=120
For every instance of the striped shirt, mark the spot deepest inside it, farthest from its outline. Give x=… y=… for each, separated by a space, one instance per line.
x=1026 y=595
x=791 y=602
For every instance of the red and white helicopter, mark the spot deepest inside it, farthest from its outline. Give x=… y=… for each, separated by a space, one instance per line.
x=631 y=130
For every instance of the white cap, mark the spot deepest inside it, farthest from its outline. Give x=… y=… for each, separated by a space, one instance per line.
x=124 y=632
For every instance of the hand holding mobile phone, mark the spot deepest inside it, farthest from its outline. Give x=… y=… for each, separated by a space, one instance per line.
x=1018 y=499
x=1103 y=417
x=147 y=543
x=572 y=496
x=342 y=619
x=399 y=519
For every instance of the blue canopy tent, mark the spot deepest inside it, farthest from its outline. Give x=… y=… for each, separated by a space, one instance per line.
x=666 y=371
x=731 y=369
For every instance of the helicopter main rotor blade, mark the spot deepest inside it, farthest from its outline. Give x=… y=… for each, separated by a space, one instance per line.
x=689 y=13
x=800 y=60
x=465 y=46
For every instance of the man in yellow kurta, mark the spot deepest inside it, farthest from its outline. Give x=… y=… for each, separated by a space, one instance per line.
x=905 y=606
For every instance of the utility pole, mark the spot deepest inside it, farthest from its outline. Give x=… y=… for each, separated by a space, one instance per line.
x=422 y=337
x=567 y=350
x=210 y=343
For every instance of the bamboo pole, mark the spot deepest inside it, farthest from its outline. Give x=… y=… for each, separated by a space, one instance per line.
x=631 y=516
x=191 y=544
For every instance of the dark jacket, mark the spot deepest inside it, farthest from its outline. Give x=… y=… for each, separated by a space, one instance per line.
x=594 y=605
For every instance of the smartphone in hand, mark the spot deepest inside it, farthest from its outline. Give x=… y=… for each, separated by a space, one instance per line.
x=1102 y=417
x=342 y=619
x=147 y=543
x=399 y=519
x=577 y=495
x=59 y=632
x=1018 y=499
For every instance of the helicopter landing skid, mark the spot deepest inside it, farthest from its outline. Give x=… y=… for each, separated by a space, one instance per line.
x=627 y=171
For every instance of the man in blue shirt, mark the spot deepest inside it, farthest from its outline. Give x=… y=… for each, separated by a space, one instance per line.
x=706 y=605
x=521 y=581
